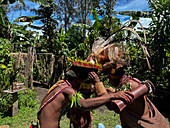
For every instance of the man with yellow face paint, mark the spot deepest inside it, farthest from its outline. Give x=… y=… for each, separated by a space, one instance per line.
x=141 y=113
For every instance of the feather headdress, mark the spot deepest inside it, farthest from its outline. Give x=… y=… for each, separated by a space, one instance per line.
x=85 y=64
x=112 y=51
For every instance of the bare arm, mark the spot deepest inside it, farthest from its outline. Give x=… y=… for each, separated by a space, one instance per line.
x=93 y=103
x=90 y=103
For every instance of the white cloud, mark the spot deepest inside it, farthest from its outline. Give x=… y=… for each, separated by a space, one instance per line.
x=144 y=21
x=123 y=18
x=22 y=23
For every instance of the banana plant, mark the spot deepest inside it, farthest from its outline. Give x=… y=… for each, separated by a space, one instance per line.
x=31 y=19
x=21 y=36
x=3 y=17
x=96 y=24
x=4 y=22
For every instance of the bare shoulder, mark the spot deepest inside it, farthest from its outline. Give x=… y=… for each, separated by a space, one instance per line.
x=69 y=90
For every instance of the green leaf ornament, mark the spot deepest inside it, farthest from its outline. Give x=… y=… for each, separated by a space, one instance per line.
x=75 y=99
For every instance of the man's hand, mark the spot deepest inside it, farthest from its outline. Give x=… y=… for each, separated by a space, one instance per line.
x=93 y=77
x=123 y=95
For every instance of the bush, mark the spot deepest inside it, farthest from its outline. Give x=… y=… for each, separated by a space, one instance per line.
x=6 y=62
x=27 y=98
x=5 y=103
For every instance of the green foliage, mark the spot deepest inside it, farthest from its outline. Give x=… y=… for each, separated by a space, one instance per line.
x=8 y=74
x=26 y=115
x=105 y=27
x=3 y=17
x=109 y=118
x=27 y=98
x=159 y=41
x=5 y=103
x=75 y=99
x=96 y=24
x=76 y=45
x=125 y=87
x=106 y=8
x=138 y=67
x=4 y=24
x=42 y=62
x=6 y=64
x=158 y=38
x=24 y=118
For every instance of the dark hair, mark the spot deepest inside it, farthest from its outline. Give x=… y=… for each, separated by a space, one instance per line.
x=70 y=75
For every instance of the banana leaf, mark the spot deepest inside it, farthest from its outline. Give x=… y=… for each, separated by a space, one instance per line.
x=3 y=17
x=28 y=18
x=96 y=24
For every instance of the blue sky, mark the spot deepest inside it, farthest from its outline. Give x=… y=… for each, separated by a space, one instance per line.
x=130 y=5
x=133 y=5
x=121 y=5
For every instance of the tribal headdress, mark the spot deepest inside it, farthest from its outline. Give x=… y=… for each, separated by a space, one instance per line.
x=85 y=64
x=112 y=55
x=83 y=67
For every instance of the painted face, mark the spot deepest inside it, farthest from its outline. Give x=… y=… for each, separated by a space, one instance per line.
x=87 y=88
x=114 y=80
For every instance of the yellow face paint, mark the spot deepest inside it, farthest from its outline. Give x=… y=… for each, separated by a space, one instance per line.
x=113 y=71
x=85 y=86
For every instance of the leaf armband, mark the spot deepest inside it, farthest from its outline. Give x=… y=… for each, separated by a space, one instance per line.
x=75 y=99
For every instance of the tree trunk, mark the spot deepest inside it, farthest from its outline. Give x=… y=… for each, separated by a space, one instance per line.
x=29 y=67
